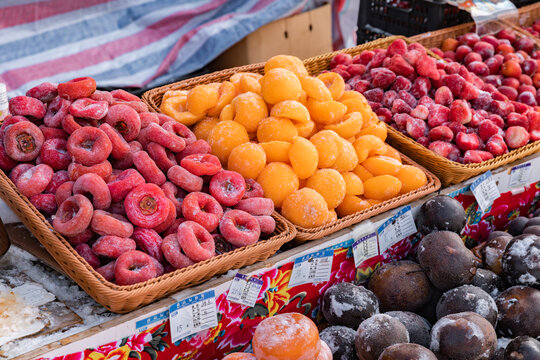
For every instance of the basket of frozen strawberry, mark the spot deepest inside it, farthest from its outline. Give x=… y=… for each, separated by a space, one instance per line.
x=129 y=203
x=450 y=116
x=528 y=21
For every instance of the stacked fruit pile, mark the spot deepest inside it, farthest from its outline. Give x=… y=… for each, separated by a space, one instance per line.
x=114 y=178
x=534 y=29
x=317 y=150
x=467 y=114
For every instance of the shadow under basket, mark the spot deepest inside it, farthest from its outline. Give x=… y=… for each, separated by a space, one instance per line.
x=122 y=299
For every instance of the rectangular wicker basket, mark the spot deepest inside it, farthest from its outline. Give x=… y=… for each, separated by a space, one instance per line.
x=122 y=299
x=451 y=172
x=314 y=66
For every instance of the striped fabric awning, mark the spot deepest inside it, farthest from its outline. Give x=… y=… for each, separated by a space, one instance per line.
x=126 y=43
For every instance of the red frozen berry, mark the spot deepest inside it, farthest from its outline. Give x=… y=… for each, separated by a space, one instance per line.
x=496 y=145
x=516 y=136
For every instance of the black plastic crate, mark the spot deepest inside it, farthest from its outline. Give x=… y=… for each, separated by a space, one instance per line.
x=399 y=17
x=520 y=3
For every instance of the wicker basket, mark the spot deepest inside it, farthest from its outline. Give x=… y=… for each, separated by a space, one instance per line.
x=122 y=299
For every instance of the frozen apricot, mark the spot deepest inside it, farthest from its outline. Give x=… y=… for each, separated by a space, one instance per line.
x=202 y=98
x=274 y=128
x=330 y=184
x=306 y=129
x=288 y=62
x=315 y=88
x=374 y=202
x=247 y=159
x=353 y=184
x=303 y=157
x=249 y=110
x=351 y=94
x=278 y=180
x=352 y=204
x=227 y=113
x=276 y=151
x=326 y=112
x=327 y=143
x=354 y=105
x=224 y=137
x=350 y=125
x=382 y=165
x=411 y=178
x=175 y=108
x=248 y=84
x=393 y=153
x=306 y=208
x=377 y=129
x=362 y=173
x=331 y=216
x=175 y=93
x=368 y=145
x=203 y=127
x=334 y=82
x=382 y=187
x=226 y=92
x=347 y=158
x=303 y=98
x=280 y=84
x=292 y=110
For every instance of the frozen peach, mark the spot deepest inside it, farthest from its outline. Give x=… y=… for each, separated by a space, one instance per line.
x=292 y=110
x=305 y=129
x=334 y=82
x=353 y=184
x=368 y=145
x=273 y=128
x=327 y=143
x=280 y=84
x=383 y=187
x=202 y=98
x=227 y=113
x=382 y=165
x=175 y=93
x=278 y=180
x=351 y=94
x=226 y=93
x=347 y=158
x=291 y=63
x=306 y=208
x=352 y=204
x=174 y=107
x=393 y=153
x=411 y=178
x=350 y=125
x=330 y=184
x=303 y=98
x=248 y=159
x=276 y=151
x=326 y=112
x=224 y=137
x=303 y=157
x=249 y=110
x=249 y=84
x=362 y=173
x=203 y=127
x=331 y=216
x=315 y=88
x=377 y=129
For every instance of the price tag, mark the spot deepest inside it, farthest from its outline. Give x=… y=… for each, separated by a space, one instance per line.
x=148 y=322
x=192 y=315
x=245 y=290
x=396 y=228
x=365 y=248
x=520 y=175
x=485 y=191
x=312 y=268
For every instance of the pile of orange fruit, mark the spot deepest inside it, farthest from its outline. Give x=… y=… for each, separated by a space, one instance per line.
x=317 y=150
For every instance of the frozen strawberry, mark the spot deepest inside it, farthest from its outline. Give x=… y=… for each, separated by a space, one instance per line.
x=426 y=101
x=364 y=57
x=382 y=77
x=442 y=133
x=523 y=87
x=426 y=66
x=516 y=136
x=487 y=129
x=356 y=69
x=469 y=39
x=408 y=98
x=483 y=101
x=445 y=149
x=401 y=83
x=485 y=49
x=476 y=156
x=452 y=68
x=527 y=98
x=412 y=56
x=466 y=141
x=416 y=128
x=449 y=56
x=374 y=105
x=496 y=145
x=509 y=92
x=424 y=141
x=420 y=87
x=340 y=58
x=399 y=47
x=438 y=115
x=497 y=120
x=470 y=57
x=501 y=108
x=534 y=125
x=524 y=43
x=515 y=119
x=388 y=98
x=361 y=86
x=460 y=112
x=401 y=120
x=469 y=91
x=342 y=72
x=420 y=112
x=400 y=66
x=384 y=114
x=443 y=96
x=437 y=51
x=378 y=58
x=400 y=106
x=375 y=95
x=497 y=95
x=520 y=107
x=478 y=67
x=529 y=66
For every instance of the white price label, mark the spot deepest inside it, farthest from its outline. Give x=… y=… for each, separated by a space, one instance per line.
x=194 y=314
x=245 y=290
x=396 y=228
x=148 y=322
x=485 y=191
x=520 y=175
x=365 y=248
x=312 y=268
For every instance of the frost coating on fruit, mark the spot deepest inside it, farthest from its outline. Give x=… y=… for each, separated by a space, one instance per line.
x=441 y=213
x=348 y=304
x=521 y=260
x=378 y=332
